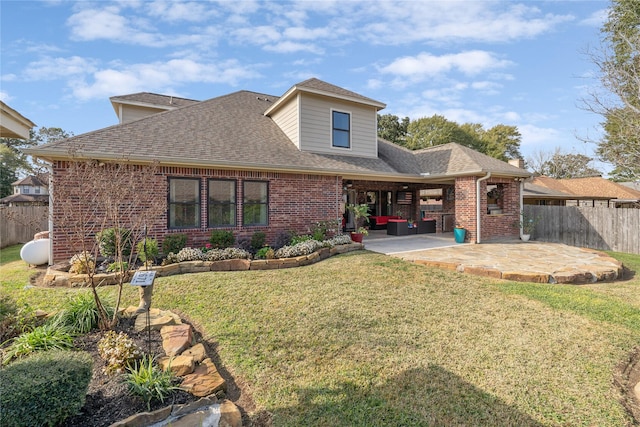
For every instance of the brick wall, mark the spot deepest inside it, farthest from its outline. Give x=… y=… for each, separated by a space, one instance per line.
x=296 y=201
x=492 y=226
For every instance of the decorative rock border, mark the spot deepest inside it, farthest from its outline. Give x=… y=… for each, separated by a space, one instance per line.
x=57 y=277
x=186 y=359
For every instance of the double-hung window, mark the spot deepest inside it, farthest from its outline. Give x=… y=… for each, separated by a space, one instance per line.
x=255 y=206
x=184 y=203
x=341 y=129
x=222 y=203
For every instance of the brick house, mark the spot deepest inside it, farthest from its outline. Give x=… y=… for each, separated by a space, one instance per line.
x=252 y=162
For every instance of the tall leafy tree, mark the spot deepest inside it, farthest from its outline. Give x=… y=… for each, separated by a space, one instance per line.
x=435 y=130
x=13 y=162
x=618 y=63
x=392 y=128
x=557 y=164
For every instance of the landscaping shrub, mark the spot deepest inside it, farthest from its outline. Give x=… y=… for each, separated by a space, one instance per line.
x=115 y=267
x=82 y=263
x=80 y=313
x=46 y=337
x=299 y=239
x=173 y=243
x=221 y=239
x=107 y=242
x=303 y=248
x=149 y=382
x=14 y=320
x=44 y=389
x=258 y=239
x=283 y=238
x=118 y=351
x=244 y=243
x=149 y=251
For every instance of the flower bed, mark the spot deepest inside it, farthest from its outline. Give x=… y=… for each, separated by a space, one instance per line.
x=193 y=260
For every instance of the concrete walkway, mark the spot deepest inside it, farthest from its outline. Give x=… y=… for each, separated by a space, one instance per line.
x=538 y=262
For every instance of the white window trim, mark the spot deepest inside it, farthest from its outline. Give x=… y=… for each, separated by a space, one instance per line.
x=333 y=147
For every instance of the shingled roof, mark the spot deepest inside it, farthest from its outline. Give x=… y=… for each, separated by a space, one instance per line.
x=153 y=99
x=234 y=132
x=455 y=160
x=591 y=187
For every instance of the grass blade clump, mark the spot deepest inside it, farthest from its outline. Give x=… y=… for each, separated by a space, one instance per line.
x=149 y=382
x=46 y=337
x=81 y=314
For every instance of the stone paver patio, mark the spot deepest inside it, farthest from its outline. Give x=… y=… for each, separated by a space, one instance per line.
x=538 y=262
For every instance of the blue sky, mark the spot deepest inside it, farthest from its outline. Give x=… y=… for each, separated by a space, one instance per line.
x=518 y=63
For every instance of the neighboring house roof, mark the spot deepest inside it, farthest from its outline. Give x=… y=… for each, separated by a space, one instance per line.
x=631 y=185
x=42 y=181
x=234 y=132
x=591 y=188
x=13 y=124
x=25 y=198
x=533 y=191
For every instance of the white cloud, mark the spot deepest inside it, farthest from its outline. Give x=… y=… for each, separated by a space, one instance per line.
x=425 y=65
x=49 y=68
x=4 y=96
x=292 y=47
x=161 y=77
x=596 y=19
x=173 y=11
x=490 y=21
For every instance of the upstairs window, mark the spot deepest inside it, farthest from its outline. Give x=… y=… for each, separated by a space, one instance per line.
x=184 y=203
x=255 y=209
x=341 y=126
x=222 y=203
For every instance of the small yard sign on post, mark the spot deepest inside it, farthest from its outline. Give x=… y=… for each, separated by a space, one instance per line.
x=145 y=279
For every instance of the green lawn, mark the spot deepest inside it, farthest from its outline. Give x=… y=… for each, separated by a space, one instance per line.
x=363 y=339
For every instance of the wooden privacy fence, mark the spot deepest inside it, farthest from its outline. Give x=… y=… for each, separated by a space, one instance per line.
x=591 y=227
x=18 y=224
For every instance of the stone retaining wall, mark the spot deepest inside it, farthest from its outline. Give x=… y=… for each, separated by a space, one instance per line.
x=56 y=277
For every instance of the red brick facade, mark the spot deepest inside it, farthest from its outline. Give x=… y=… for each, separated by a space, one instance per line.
x=295 y=202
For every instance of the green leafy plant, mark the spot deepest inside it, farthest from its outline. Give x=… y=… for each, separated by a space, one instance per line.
x=15 y=320
x=221 y=239
x=173 y=243
x=526 y=222
x=115 y=267
x=147 y=250
x=50 y=336
x=360 y=215
x=321 y=229
x=258 y=240
x=118 y=351
x=149 y=382
x=44 y=389
x=80 y=314
x=299 y=239
x=108 y=241
x=265 y=253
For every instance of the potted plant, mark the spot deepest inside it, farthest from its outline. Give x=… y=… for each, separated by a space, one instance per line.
x=459 y=233
x=527 y=224
x=360 y=216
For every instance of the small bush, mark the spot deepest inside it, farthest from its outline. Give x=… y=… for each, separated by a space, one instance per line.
x=299 y=239
x=149 y=251
x=80 y=314
x=82 y=263
x=283 y=239
x=108 y=241
x=115 y=267
x=14 y=320
x=118 y=351
x=149 y=382
x=244 y=243
x=304 y=248
x=221 y=239
x=46 y=337
x=258 y=239
x=173 y=243
x=44 y=389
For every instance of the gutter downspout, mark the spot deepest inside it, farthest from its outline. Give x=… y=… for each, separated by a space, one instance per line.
x=50 y=221
x=478 y=219
x=521 y=207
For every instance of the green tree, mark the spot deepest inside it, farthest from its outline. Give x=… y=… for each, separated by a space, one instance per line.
x=392 y=128
x=500 y=141
x=560 y=166
x=618 y=63
x=13 y=162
